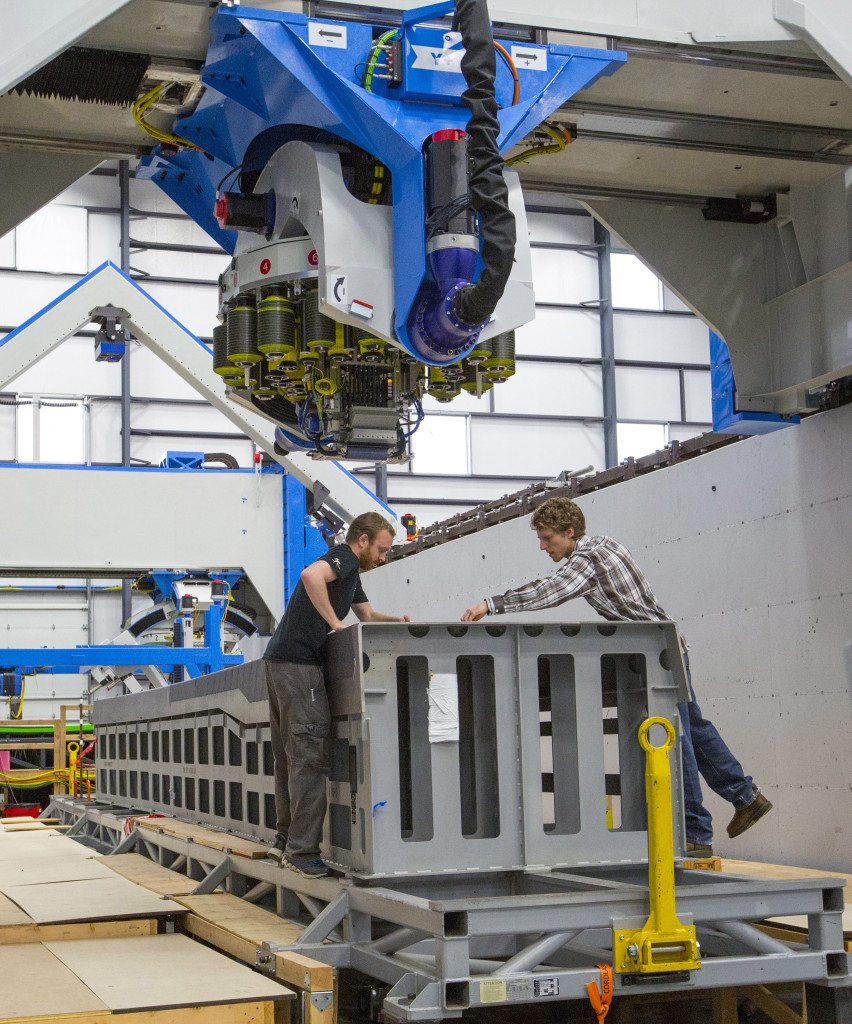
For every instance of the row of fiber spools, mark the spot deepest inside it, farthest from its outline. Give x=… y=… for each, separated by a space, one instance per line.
x=277 y=343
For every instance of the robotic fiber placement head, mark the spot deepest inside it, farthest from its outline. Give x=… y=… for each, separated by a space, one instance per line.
x=380 y=248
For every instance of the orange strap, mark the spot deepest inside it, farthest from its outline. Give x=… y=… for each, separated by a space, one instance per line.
x=602 y=999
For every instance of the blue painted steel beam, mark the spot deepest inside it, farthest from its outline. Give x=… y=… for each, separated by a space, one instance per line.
x=72 y=659
x=727 y=419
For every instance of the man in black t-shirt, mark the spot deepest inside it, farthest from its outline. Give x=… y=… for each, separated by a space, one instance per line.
x=298 y=705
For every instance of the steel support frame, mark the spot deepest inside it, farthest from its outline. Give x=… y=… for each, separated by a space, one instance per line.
x=435 y=952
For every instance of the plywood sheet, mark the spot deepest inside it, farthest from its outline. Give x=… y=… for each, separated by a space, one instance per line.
x=243 y=919
x=92 y=899
x=205 y=836
x=757 y=869
x=160 y=971
x=36 y=982
x=146 y=872
x=11 y=913
x=36 y=869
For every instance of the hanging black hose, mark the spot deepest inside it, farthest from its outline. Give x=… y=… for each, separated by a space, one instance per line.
x=490 y=197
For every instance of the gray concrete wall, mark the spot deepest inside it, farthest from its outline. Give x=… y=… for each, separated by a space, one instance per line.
x=750 y=550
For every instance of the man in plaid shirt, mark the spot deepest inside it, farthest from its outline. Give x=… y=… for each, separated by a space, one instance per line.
x=603 y=572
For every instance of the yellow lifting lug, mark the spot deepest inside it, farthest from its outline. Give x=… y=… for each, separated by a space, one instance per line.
x=663 y=943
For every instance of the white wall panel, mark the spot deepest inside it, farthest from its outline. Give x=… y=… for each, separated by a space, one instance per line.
x=696 y=386
x=105 y=428
x=441 y=445
x=638 y=439
x=671 y=301
x=71 y=369
x=561 y=332
x=673 y=339
x=152 y=450
x=193 y=305
x=194 y=265
x=24 y=294
x=562 y=228
x=634 y=286
x=685 y=433
x=551 y=389
x=170 y=231
x=151 y=378
x=180 y=417
x=104 y=239
x=561 y=276
x=462 y=489
x=644 y=394
x=463 y=403
x=425 y=515
x=7 y=431
x=53 y=240
x=92 y=190
x=7 y=251
x=531 y=449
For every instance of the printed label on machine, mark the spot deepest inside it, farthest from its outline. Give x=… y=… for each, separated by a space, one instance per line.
x=324 y=33
x=336 y=288
x=546 y=987
x=530 y=58
x=448 y=58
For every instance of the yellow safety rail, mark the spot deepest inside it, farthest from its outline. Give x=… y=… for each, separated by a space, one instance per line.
x=663 y=943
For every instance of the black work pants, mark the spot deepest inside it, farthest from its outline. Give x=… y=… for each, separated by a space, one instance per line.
x=300 y=724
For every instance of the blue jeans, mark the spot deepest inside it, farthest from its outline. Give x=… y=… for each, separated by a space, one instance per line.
x=703 y=750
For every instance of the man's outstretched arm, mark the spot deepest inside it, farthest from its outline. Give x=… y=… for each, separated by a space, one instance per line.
x=571 y=581
x=365 y=612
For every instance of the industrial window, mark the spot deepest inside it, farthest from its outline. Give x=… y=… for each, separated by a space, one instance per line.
x=441 y=445
x=55 y=240
x=634 y=286
x=638 y=439
x=51 y=430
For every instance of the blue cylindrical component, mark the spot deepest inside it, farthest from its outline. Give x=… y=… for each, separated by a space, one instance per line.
x=435 y=332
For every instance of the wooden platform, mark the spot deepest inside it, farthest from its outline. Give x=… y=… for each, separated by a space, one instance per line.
x=80 y=940
x=133 y=976
x=205 y=836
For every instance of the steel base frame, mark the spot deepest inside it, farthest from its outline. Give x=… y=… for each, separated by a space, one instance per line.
x=444 y=944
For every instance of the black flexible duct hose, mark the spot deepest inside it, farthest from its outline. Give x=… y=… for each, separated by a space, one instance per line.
x=223 y=457
x=490 y=197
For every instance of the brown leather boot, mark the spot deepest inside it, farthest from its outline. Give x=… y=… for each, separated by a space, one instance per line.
x=746 y=816
x=700 y=851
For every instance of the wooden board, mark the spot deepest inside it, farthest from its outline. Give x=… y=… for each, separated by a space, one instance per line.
x=14 y=934
x=110 y=898
x=160 y=971
x=36 y=981
x=756 y=869
x=39 y=869
x=147 y=873
x=11 y=914
x=218 y=1013
x=205 y=837
x=243 y=919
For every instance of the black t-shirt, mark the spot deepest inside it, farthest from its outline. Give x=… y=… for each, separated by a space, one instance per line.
x=302 y=634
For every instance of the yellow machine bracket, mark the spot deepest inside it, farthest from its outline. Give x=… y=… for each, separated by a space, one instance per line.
x=663 y=943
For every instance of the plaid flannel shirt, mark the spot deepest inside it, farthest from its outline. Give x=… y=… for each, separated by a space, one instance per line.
x=599 y=569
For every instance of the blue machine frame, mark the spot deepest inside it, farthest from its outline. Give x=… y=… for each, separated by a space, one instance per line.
x=270 y=73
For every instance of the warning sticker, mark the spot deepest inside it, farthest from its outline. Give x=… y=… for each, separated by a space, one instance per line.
x=520 y=990
x=546 y=987
x=493 y=991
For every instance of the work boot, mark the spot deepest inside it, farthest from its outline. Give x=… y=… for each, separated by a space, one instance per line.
x=746 y=816
x=310 y=867
x=698 y=851
x=276 y=851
